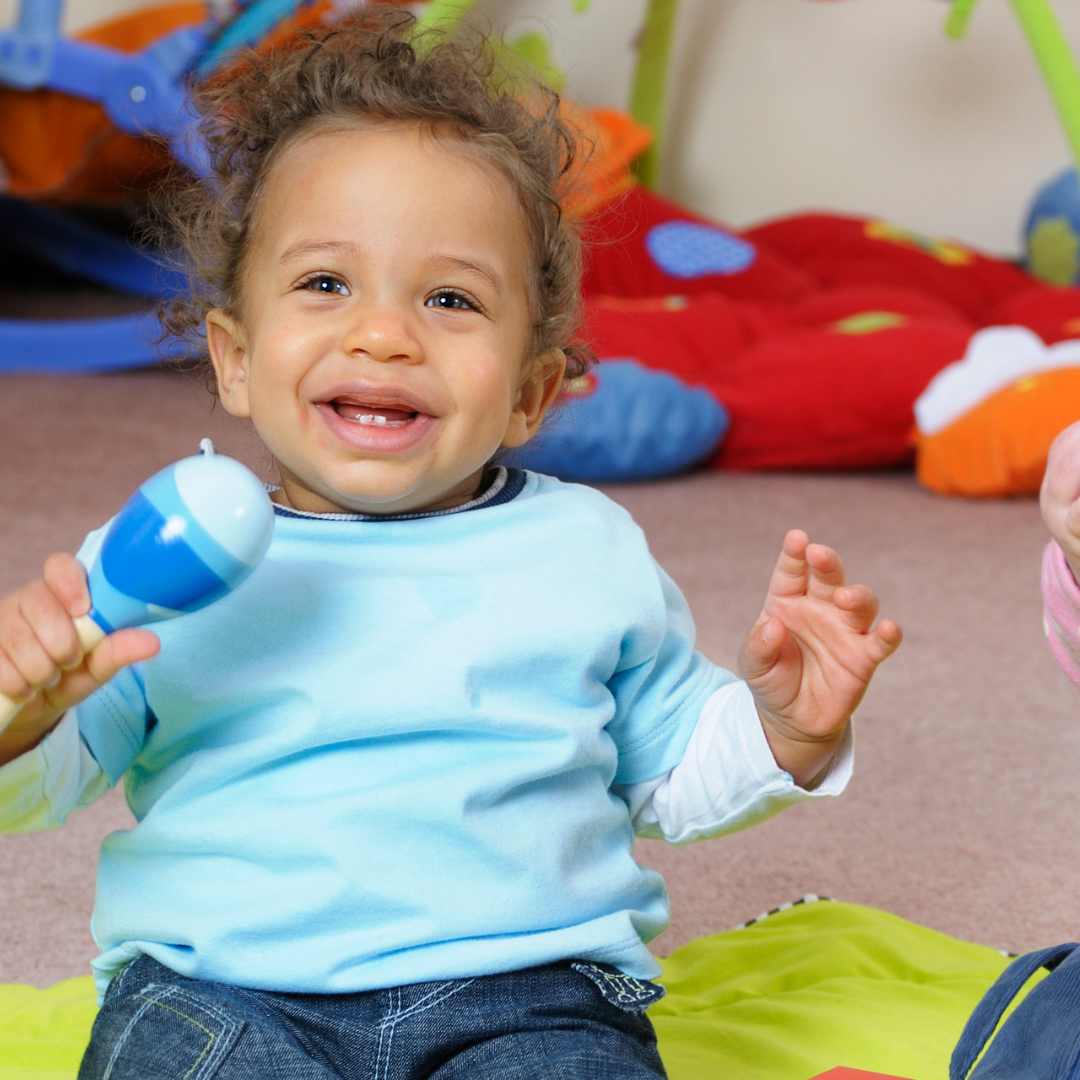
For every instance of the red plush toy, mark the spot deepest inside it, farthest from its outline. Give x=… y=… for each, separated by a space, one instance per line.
x=816 y=332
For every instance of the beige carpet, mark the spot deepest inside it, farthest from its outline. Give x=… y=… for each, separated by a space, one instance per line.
x=962 y=815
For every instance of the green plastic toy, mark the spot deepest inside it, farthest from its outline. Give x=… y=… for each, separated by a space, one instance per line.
x=1051 y=54
x=648 y=96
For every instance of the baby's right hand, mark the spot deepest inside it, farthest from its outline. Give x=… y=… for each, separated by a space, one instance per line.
x=42 y=664
x=1060 y=496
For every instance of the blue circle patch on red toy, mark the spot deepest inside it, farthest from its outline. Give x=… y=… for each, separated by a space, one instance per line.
x=685 y=249
x=624 y=421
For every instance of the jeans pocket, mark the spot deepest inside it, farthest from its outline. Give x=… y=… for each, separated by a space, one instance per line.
x=623 y=991
x=160 y=1031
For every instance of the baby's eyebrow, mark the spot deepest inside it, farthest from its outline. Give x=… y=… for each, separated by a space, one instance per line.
x=317 y=247
x=476 y=266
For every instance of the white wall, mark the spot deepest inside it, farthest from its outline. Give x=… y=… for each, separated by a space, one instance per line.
x=857 y=105
x=77 y=13
x=864 y=105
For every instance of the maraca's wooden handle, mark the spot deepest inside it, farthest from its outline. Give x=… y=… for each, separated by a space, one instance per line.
x=90 y=635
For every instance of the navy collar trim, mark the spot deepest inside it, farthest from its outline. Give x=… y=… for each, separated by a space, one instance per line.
x=506 y=484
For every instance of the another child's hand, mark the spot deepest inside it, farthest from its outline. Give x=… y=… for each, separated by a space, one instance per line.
x=811 y=653
x=1060 y=496
x=42 y=663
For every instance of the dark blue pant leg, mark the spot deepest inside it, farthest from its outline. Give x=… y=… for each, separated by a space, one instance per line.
x=157 y=1025
x=545 y=1023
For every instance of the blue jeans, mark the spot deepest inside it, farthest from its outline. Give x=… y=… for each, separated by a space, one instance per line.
x=564 y=1021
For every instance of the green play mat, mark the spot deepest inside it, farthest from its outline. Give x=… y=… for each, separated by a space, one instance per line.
x=816 y=986
x=810 y=987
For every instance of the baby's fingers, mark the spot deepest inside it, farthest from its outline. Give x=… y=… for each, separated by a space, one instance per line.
x=858 y=605
x=827 y=571
x=1061 y=484
x=1072 y=521
x=66 y=577
x=37 y=640
x=118 y=650
x=883 y=640
x=789 y=576
x=99 y=666
x=762 y=648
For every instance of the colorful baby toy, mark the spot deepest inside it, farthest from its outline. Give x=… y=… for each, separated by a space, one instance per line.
x=189 y=535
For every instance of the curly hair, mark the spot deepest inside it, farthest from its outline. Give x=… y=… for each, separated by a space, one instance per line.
x=374 y=68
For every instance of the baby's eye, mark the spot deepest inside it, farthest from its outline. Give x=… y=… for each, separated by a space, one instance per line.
x=325 y=283
x=449 y=300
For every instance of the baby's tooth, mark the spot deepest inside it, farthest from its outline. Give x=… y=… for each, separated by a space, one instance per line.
x=373 y=418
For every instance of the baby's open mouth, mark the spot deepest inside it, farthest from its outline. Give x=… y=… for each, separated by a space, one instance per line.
x=373 y=415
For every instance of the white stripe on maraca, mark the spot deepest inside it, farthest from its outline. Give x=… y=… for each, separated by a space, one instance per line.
x=229 y=517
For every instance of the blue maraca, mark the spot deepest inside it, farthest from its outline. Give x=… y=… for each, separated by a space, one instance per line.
x=189 y=535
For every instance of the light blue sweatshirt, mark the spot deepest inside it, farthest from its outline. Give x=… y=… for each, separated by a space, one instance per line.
x=389 y=756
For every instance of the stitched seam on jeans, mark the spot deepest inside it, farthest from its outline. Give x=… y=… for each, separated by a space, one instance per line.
x=210 y=1036
x=124 y=974
x=430 y=994
x=440 y=994
x=124 y=1036
x=384 y=1024
x=229 y=1029
x=217 y=1042
x=393 y=1029
x=220 y=1042
x=388 y=1024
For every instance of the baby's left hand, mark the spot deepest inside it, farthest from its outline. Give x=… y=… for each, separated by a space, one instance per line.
x=1060 y=495
x=810 y=655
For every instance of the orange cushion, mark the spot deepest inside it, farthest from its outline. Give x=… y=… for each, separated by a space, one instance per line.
x=618 y=140
x=58 y=146
x=1000 y=446
x=63 y=148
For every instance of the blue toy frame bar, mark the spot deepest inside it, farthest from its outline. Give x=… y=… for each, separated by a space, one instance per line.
x=143 y=93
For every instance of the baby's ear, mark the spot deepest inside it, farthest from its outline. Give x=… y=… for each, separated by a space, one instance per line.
x=228 y=353
x=535 y=397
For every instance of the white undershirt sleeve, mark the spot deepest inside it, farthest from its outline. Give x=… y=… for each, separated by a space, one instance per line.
x=40 y=788
x=727 y=779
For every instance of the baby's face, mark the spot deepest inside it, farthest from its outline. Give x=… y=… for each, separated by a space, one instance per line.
x=386 y=320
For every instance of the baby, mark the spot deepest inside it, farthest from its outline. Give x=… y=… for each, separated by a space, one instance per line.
x=1060 y=499
x=386 y=791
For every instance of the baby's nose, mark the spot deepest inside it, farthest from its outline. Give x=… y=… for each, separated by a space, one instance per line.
x=381 y=333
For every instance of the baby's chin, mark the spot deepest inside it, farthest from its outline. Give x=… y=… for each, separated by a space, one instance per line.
x=315 y=497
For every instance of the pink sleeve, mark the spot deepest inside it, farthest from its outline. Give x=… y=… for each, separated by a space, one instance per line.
x=1061 y=611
